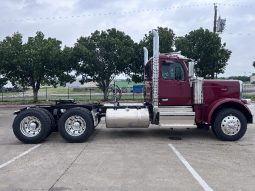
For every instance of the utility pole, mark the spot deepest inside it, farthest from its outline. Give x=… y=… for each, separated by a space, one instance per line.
x=215 y=17
x=214 y=30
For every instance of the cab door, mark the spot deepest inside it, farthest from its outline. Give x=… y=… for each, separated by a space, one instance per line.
x=174 y=87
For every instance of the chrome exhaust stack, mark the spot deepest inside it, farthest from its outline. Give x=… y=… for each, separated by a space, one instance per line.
x=145 y=55
x=155 y=74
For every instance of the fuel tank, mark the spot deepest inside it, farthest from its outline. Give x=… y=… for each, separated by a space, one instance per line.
x=127 y=118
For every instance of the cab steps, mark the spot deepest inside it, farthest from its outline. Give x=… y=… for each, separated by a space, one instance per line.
x=177 y=116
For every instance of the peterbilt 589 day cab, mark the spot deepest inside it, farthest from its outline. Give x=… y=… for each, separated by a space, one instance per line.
x=173 y=97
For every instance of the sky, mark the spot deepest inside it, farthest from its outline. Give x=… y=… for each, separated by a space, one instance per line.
x=67 y=20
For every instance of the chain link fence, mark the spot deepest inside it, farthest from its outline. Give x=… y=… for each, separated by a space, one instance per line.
x=47 y=94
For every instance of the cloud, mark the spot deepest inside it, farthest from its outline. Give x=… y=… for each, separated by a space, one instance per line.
x=69 y=19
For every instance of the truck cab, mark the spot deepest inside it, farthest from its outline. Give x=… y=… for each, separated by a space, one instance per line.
x=174 y=82
x=176 y=93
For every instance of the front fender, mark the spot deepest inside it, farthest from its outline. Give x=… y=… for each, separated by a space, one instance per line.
x=229 y=103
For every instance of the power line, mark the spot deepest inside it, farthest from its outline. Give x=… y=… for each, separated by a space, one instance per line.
x=122 y=13
x=239 y=34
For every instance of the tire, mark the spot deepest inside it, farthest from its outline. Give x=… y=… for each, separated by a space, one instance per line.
x=80 y=126
x=31 y=126
x=214 y=132
x=53 y=124
x=229 y=125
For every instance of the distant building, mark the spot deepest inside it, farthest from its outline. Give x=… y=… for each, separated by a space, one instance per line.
x=77 y=84
x=252 y=78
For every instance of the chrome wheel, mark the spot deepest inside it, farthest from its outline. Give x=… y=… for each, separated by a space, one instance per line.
x=230 y=125
x=75 y=125
x=30 y=126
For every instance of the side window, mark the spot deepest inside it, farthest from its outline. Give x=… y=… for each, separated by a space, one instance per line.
x=179 y=73
x=172 y=71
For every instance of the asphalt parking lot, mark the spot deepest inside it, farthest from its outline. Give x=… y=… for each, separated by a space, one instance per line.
x=127 y=159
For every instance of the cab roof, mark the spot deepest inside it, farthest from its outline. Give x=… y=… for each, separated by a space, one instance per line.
x=176 y=55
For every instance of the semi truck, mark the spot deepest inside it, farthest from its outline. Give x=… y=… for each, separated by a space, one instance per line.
x=173 y=97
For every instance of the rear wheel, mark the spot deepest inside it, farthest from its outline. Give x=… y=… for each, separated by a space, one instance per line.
x=76 y=125
x=229 y=125
x=53 y=124
x=31 y=126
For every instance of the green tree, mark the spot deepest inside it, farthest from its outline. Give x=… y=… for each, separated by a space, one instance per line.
x=10 y=54
x=3 y=81
x=242 y=78
x=207 y=49
x=103 y=55
x=38 y=62
x=166 y=42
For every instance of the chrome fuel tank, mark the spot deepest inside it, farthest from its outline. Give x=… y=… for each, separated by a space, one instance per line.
x=127 y=118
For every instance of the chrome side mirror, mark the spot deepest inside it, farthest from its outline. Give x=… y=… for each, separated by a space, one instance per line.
x=191 y=72
x=191 y=69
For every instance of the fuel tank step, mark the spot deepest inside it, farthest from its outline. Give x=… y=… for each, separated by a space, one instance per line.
x=176 y=116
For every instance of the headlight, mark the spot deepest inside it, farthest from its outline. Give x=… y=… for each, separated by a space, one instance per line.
x=241 y=88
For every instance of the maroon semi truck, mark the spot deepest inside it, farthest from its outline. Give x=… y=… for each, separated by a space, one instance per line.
x=173 y=97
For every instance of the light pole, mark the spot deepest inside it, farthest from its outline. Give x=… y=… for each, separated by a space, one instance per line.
x=215 y=17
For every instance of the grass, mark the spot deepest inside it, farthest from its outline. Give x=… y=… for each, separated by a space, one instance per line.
x=252 y=97
x=65 y=90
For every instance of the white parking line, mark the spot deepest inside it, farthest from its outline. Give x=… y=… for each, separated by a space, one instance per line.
x=205 y=186
x=19 y=156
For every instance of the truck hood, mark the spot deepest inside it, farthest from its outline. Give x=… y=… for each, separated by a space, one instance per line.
x=218 y=89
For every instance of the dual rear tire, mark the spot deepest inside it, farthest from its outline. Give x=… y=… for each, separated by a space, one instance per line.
x=35 y=124
x=32 y=126
x=76 y=125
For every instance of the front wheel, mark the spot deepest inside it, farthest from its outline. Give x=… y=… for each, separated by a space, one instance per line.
x=76 y=125
x=229 y=125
